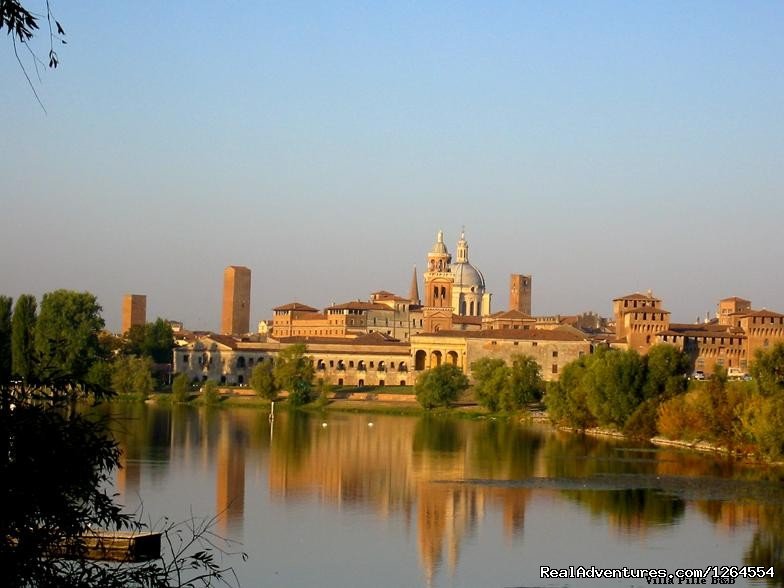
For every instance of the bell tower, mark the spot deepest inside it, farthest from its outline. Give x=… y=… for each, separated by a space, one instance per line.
x=437 y=311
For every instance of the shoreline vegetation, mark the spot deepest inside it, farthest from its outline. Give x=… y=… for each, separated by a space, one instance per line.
x=379 y=400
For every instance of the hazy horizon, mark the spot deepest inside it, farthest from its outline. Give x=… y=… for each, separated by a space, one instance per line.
x=604 y=148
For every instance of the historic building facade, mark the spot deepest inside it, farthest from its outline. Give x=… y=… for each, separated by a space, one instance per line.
x=730 y=340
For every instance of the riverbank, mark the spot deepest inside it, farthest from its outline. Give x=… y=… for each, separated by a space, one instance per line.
x=373 y=400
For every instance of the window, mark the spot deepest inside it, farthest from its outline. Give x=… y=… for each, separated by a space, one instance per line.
x=555 y=353
x=534 y=343
x=554 y=368
x=351 y=364
x=516 y=343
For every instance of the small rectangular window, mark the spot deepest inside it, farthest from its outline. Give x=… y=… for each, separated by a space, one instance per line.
x=554 y=369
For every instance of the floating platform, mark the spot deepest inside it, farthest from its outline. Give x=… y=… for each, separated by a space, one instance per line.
x=130 y=546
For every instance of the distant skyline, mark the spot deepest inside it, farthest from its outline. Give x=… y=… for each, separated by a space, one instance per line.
x=602 y=147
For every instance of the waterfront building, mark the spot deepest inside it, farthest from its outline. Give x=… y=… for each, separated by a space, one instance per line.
x=730 y=340
x=235 y=318
x=552 y=349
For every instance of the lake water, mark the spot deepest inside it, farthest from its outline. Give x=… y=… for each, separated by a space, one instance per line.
x=343 y=499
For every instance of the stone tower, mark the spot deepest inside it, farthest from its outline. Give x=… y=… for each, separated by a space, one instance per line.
x=437 y=311
x=134 y=311
x=520 y=293
x=235 y=319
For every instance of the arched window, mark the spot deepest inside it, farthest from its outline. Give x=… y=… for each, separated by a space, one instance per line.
x=419 y=360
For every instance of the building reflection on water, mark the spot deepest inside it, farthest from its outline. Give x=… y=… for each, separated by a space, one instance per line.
x=446 y=475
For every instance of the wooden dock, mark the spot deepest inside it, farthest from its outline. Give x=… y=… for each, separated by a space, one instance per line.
x=130 y=546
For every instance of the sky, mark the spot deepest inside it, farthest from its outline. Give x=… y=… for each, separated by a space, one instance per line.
x=603 y=147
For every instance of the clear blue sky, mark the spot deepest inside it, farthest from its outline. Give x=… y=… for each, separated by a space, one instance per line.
x=604 y=147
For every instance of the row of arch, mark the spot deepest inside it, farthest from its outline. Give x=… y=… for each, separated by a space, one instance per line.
x=361 y=365
x=423 y=360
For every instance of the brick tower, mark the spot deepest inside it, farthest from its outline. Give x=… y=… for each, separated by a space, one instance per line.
x=134 y=311
x=520 y=293
x=236 y=301
x=437 y=311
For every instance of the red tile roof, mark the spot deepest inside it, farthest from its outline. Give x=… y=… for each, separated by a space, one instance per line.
x=296 y=306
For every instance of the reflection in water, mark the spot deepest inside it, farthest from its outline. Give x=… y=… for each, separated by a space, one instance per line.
x=446 y=475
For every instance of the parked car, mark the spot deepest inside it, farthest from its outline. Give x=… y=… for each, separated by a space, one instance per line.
x=737 y=374
x=698 y=375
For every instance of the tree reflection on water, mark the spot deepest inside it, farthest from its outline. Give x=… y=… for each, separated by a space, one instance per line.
x=447 y=474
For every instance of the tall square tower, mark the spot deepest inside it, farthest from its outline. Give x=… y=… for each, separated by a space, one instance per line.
x=235 y=319
x=520 y=293
x=134 y=311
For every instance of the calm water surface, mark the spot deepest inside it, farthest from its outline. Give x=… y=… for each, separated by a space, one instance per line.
x=372 y=500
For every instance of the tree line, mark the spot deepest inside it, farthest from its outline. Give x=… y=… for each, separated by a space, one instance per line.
x=646 y=396
x=65 y=336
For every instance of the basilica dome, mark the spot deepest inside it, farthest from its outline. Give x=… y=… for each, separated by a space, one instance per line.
x=466 y=275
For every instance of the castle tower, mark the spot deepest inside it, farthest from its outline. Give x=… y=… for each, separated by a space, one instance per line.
x=235 y=318
x=437 y=312
x=134 y=311
x=413 y=293
x=520 y=293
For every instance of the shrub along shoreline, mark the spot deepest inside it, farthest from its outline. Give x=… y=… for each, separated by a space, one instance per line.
x=610 y=392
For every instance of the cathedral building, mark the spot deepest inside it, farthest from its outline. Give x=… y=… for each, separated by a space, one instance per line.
x=452 y=289
x=469 y=297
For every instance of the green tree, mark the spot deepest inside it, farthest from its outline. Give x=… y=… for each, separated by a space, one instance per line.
x=491 y=378
x=23 y=336
x=613 y=385
x=154 y=340
x=567 y=399
x=180 y=388
x=666 y=371
x=763 y=424
x=440 y=386
x=294 y=372
x=100 y=375
x=133 y=376
x=66 y=333
x=262 y=380
x=5 y=338
x=768 y=371
x=211 y=394
x=525 y=383
x=323 y=390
